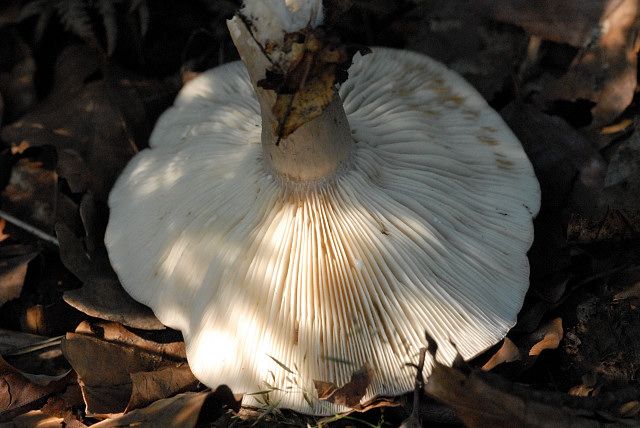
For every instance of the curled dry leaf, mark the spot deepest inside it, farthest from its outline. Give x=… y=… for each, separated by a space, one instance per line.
x=30 y=195
x=16 y=74
x=551 y=333
x=35 y=418
x=101 y=295
x=318 y=61
x=20 y=391
x=348 y=394
x=507 y=353
x=14 y=260
x=167 y=343
x=632 y=292
x=93 y=117
x=181 y=411
x=106 y=373
x=483 y=399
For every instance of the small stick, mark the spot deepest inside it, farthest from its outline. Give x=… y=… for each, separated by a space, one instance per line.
x=31 y=229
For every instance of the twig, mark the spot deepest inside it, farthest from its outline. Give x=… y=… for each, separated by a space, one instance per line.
x=31 y=229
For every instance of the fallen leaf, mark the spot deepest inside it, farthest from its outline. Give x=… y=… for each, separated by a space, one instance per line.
x=551 y=333
x=167 y=343
x=105 y=373
x=16 y=74
x=101 y=295
x=482 y=399
x=507 y=353
x=13 y=268
x=35 y=419
x=181 y=411
x=93 y=114
x=575 y=22
x=148 y=387
x=558 y=153
x=457 y=35
x=612 y=226
x=20 y=391
x=632 y=292
x=348 y=394
x=30 y=195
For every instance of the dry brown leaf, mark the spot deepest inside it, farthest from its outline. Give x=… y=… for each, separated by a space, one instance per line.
x=3 y=224
x=507 y=353
x=105 y=372
x=101 y=295
x=12 y=272
x=19 y=393
x=456 y=35
x=181 y=411
x=35 y=419
x=167 y=343
x=348 y=394
x=630 y=409
x=483 y=399
x=16 y=74
x=574 y=22
x=93 y=116
x=31 y=192
x=559 y=153
x=612 y=226
x=318 y=62
x=151 y=386
x=551 y=333
x=632 y=292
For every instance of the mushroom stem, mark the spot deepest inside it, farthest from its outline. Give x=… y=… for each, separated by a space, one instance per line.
x=317 y=150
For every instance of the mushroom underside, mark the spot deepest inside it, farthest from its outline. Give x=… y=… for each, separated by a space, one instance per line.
x=276 y=284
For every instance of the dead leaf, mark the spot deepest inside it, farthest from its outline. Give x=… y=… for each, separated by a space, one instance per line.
x=3 y=224
x=105 y=372
x=507 y=353
x=16 y=76
x=575 y=22
x=35 y=419
x=348 y=394
x=148 y=387
x=13 y=268
x=612 y=226
x=482 y=399
x=19 y=392
x=101 y=295
x=318 y=61
x=456 y=35
x=551 y=333
x=167 y=343
x=32 y=190
x=632 y=292
x=558 y=153
x=94 y=114
x=181 y=411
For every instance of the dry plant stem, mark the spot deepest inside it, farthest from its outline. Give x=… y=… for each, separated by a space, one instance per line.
x=27 y=227
x=316 y=150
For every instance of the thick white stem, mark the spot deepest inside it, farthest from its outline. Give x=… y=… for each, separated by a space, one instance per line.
x=316 y=150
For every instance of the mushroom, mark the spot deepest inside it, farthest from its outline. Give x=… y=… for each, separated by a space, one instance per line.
x=405 y=206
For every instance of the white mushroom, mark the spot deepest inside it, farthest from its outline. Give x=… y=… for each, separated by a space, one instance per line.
x=409 y=210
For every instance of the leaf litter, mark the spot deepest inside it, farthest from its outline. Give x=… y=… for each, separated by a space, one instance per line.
x=563 y=75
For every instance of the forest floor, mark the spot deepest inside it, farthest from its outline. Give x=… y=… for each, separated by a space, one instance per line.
x=81 y=86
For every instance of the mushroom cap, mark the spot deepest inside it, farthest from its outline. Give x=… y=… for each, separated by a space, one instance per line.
x=276 y=284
